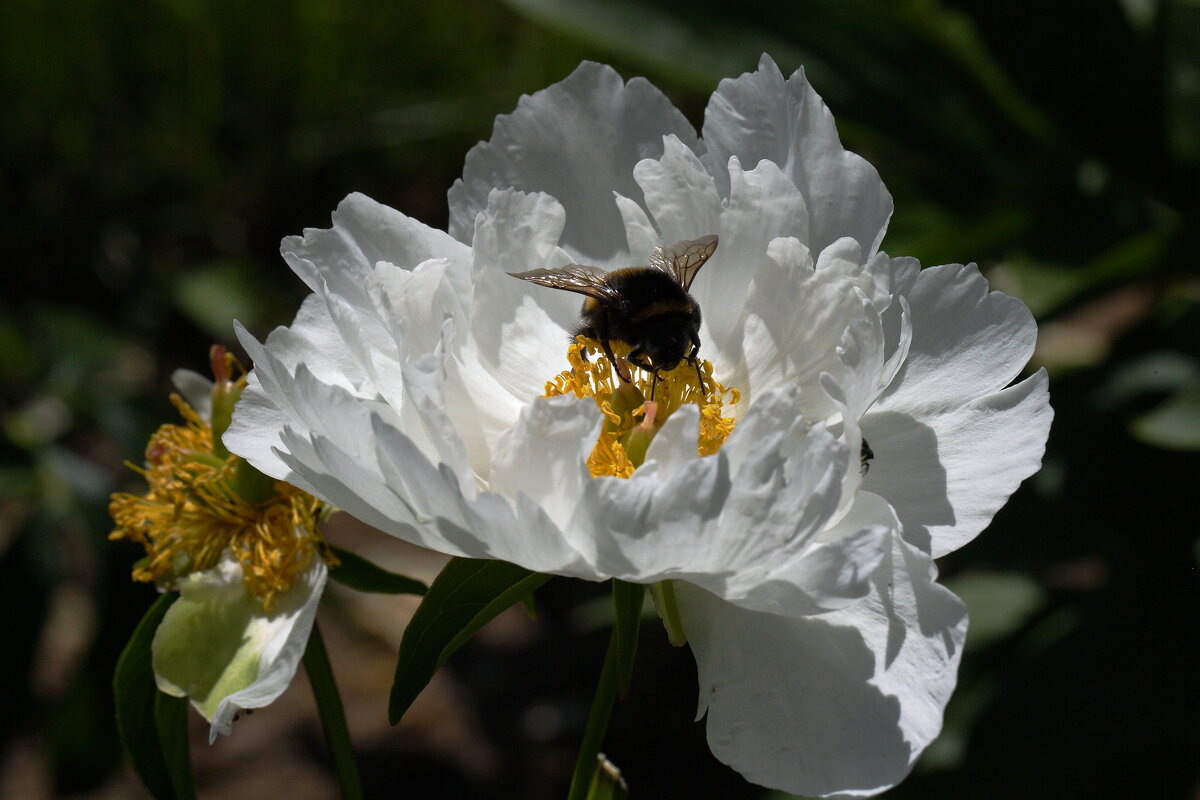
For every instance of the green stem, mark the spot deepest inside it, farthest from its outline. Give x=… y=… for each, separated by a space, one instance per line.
x=593 y=735
x=667 y=606
x=333 y=718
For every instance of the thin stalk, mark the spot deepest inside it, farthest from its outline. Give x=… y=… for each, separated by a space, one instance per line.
x=597 y=725
x=333 y=717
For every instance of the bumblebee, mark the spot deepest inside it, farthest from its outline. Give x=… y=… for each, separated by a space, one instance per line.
x=647 y=308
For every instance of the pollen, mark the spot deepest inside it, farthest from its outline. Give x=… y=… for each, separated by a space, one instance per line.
x=631 y=420
x=193 y=513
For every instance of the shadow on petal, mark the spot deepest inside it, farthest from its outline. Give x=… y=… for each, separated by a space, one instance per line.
x=790 y=700
x=907 y=471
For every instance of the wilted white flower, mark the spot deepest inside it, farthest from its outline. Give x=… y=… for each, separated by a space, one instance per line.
x=428 y=393
x=247 y=568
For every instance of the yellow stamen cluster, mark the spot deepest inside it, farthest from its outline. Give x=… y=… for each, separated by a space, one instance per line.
x=632 y=420
x=193 y=513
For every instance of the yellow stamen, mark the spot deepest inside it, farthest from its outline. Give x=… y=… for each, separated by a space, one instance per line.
x=192 y=514
x=629 y=427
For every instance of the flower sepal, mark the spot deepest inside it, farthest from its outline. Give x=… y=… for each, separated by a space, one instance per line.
x=251 y=485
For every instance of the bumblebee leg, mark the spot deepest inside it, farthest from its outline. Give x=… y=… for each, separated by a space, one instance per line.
x=622 y=370
x=601 y=334
x=695 y=362
x=636 y=357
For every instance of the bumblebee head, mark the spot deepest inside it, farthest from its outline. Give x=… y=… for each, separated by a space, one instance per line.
x=667 y=346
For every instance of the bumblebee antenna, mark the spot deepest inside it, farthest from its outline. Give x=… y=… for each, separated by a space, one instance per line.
x=699 y=377
x=653 y=385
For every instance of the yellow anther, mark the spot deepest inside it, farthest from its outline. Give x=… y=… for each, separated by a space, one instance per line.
x=591 y=375
x=191 y=515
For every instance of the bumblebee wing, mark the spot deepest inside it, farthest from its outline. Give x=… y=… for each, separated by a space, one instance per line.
x=591 y=281
x=683 y=260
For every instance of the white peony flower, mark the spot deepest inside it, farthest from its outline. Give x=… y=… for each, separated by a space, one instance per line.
x=410 y=393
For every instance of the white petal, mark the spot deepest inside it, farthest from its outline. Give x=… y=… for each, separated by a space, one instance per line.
x=948 y=471
x=966 y=341
x=481 y=407
x=288 y=628
x=743 y=523
x=487 y=526
x=520 y=328
x=348 y=331
x=544 y=454
x=364 y=233
x=397 y=489
x=331 y=412
x=763 y=205
x=196 y=390
x=851 y=436
x=423 y=416
x=836 y=705
x=760 y=116
x=861 y=352
x=313 y=339
x=577 y=141
x=376 y=352
x=680 y=194
x=254 y=432
x=639 y=231
x=795 y=320
x=217 y=646
x=957 y=442
x=274 y=401
x=418 y=301
x=348 y=484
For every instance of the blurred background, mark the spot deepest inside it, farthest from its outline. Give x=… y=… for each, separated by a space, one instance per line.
x=154 y=152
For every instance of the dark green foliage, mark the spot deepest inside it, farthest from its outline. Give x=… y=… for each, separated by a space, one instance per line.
x=364 y=576
x=466 y=595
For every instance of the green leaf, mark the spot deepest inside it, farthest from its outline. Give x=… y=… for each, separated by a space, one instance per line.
x=530 y=605
x=627 y=602
x=466 y=595
x=213 y=294
x=999 y=602
x=152 y=726
x=170 y=718
x=365 y=576
x=333 y=715
x=1159 y=372
x=680 y=45
x=1175 y=424
x=1180 y=32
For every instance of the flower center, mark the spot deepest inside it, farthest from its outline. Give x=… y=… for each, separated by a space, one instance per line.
x=197 y=508
x=631 y=420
